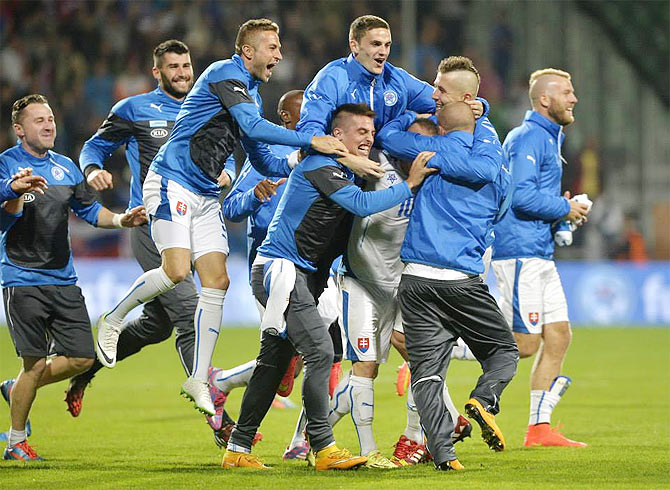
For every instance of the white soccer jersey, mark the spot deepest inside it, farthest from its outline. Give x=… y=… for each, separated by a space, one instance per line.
x=373 y=252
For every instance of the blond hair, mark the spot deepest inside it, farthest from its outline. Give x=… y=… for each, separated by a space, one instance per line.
x=249 y=28
x=547 y=71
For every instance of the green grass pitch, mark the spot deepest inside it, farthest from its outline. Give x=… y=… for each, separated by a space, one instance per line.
x=136 y=432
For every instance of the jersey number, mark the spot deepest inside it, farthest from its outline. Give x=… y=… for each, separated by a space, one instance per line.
x=406 y=207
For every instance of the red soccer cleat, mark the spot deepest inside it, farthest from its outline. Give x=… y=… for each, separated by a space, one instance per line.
x=74 y=395
x=286 y=383
x=462 y=429
x=335 y=374
x=408 y=452
x=544 y=435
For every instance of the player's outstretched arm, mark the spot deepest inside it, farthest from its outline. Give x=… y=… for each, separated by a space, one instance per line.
x=133 y=217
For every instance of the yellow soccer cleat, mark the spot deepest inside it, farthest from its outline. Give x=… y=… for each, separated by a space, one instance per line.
x=491 y=433
x=377 y=461
x=234 y=459
x=453 y=465
x=334 y=458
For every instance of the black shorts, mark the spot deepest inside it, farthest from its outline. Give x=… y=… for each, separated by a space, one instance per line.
x=46 y=320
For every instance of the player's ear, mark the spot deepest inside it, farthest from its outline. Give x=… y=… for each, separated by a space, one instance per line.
x=18 y=130
x=284 y=116
x=247 y=51
x=337 y=132
x=353 y=45
x=156 y=73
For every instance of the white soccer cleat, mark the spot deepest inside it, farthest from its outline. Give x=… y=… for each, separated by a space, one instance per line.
x=198 y=392
x=105 y=345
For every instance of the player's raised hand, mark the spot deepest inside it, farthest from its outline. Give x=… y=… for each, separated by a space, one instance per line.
x=476 y=106
x=418 y=172
x=100 y=180
x=24 y=181
x=329 y=145
x=134 y=217
x=267 y=188
x=361 y=166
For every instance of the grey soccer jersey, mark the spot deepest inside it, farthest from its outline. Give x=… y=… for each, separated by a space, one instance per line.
x=373 y=252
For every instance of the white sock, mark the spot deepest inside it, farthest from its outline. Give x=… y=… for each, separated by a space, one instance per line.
x=413 y=429
x=299 y=434
x=462 y=352
x=16 y=436
x=145 y=288
x=207 y=325
x=453 y=411
x=227 y=379
x=542 y=403
x=340 y=404
x=363 y=411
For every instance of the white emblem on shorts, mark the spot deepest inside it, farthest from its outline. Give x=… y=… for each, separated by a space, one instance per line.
x=390 y=97
x=57 y=173
x=159 y=133
x=28 y=197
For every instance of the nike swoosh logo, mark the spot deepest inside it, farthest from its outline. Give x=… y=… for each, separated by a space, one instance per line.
x=103 y=354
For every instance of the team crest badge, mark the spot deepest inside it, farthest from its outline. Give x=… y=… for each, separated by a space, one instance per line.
x=390 y=98
x=181 y=208
x=363 y=344
x=57 y=173
x=534 y=318
x=391 y=177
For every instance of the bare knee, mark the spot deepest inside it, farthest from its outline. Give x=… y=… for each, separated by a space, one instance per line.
x=34 y=366
x=528 y=344
x=176 y=264
x=221 y=282
x=80 y=364
x=557 y=337
x=366 y=369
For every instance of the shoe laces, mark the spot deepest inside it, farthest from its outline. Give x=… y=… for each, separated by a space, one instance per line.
x=402 y=448
x=111 y=337
x=25 y=447
x=341 y=453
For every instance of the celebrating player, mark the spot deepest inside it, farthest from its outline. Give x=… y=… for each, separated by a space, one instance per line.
x=532 y=297
x=182 y=187
x=308 y=230
x=44 y=307
x=441 y=294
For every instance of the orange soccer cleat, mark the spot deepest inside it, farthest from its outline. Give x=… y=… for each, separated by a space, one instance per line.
x=544 y=435
x=403 y=379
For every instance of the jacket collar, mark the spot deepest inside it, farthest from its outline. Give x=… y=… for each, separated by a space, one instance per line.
x=359 y=73
x=556 y=130
x=251 y=81
x=464 y=137
x=163 y=95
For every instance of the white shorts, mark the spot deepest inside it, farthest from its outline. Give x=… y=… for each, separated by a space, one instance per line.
x=369 y=316
x=531 y=294
x=183 y=219
x=329 y=306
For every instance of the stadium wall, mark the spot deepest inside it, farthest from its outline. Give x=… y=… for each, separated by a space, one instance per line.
x=598 y=293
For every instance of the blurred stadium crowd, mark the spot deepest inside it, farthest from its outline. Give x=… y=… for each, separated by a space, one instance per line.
x=85 y=55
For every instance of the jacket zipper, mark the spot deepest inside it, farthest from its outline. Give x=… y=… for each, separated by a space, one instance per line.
x=372 y=95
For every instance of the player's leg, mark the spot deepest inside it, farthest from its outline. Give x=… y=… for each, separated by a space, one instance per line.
x=272 y=360
x=546 y=383
x=209 y=242
x=476 y=318
x=428 y=344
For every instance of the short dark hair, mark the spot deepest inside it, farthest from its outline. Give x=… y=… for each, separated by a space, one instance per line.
x=23 y=102
x=458 y=63
x=169 y=46
x=353 y=110
x=250 y=27
x=427 y=125
x=363 y=24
